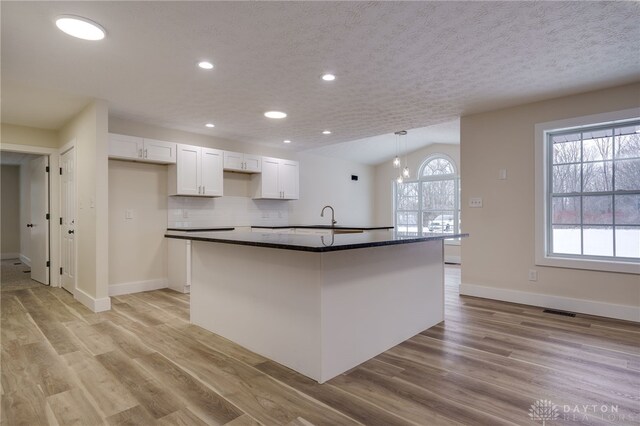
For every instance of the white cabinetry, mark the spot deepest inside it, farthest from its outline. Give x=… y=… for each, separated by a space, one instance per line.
x=279 y=180
x=179 y=266
x=125 y=147
x=238 y=162
x=197 y=172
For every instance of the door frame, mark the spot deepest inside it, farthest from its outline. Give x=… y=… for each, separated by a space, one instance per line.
x=65 y=148
x=54 y=193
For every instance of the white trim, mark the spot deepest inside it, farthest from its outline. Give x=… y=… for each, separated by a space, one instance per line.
x=541 y=183
x=7 y=256
x=609 y=310
x=28 y=149
x=96 y=305
x=453 y=259
x=137 y=286
x=24 y=259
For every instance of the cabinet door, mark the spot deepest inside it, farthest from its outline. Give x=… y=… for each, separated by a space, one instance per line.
x=188 y=170
x=288 y=179
x=269 y=178
x=233 y=161
x=252 y=163
x=212 y=172
x=125 y=147
x=159 y=151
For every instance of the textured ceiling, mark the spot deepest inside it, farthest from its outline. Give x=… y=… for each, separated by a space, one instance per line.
x=399 y=65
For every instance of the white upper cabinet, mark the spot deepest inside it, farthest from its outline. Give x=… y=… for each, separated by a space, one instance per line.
x=125 y=147
x=238 y=162
x=279 y=180
x=197 y=172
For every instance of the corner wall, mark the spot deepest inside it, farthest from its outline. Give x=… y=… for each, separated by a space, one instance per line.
x=501 y=247
x=88 y=130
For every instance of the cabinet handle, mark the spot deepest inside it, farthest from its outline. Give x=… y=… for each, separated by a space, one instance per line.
x=140 y=153
x=199 y=189
x=145 y=153
x=203 y=189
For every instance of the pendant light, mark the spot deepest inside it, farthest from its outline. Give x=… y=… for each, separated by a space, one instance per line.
x=396 y=161
x=404 y=174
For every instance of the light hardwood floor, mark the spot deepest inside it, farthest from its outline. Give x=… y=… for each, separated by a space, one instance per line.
x=143 y=363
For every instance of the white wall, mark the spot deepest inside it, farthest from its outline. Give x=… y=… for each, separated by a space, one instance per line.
x=327 y=181
x=10 y=214
x=501 y=248
x=137 y=247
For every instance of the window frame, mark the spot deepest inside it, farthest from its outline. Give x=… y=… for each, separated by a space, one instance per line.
x=543 y=195
x=455 y=177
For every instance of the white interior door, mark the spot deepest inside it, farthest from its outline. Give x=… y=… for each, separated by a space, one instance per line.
x=68 y=216
x=39 y=219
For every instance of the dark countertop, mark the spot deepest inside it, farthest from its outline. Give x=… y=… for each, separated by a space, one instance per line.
x=311 y=243
x=362 y=228
x=209 y=229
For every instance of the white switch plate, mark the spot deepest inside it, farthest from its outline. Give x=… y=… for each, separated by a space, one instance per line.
x=185 y=213
x=128 y=214
x=475 y=202
x=533 y=275
x=502 y=174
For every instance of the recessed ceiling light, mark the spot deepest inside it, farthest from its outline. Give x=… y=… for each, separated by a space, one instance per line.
x=205 y=65
x=286 y=141
x=275 y=114
x=210 y=125
x=328 y=77
x=79 y=27
x=326 y=132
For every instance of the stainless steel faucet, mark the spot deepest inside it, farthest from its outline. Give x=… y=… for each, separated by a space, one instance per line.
x=333 y=218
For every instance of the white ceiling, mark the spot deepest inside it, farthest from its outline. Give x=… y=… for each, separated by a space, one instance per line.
x=377 y=149
x=399 y=65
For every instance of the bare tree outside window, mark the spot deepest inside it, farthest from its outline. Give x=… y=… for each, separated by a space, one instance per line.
x=432 y=203
x=594 y=191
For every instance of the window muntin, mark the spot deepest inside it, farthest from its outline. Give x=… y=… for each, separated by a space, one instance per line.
x=432 y=203
x=593 y=193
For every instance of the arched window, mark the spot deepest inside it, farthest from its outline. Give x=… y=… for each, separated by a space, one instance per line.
x=430 y=204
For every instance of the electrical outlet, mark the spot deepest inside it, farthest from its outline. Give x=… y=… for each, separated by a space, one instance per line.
x=533 y=275
x=475 y=202
x=185 y=214
x=502 y=174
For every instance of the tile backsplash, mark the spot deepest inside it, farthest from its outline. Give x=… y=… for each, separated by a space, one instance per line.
x=226 y=211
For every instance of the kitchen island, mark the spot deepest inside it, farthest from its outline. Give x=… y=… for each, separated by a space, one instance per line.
x=319 y=305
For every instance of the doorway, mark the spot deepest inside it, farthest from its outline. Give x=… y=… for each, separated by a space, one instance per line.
x=26 y=213
x=68 y=220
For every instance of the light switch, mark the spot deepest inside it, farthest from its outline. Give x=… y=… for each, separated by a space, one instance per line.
x=502 y=174
x=128 y=214
x=92 y=203
x=475 y=202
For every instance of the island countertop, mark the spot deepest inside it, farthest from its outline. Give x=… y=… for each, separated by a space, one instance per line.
x=311 y=243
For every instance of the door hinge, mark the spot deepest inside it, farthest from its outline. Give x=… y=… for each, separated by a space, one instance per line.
x=61 y=270
x=60 y=170
x=46 y=169
x=60 y=221
x=47 y=216
x=48 y=263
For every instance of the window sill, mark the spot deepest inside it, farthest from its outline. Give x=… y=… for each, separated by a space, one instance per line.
x=590 y=264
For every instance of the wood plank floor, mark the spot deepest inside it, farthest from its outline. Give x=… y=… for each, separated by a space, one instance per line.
x=142 y=363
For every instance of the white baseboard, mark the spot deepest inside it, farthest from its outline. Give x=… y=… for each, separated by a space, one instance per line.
x=24 y=259
x=138 y=286
x=602 y=309
x=7 y=256
x=96 y=305
x=453 y=259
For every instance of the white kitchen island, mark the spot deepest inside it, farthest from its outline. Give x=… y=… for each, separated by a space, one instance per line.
x=318 y=305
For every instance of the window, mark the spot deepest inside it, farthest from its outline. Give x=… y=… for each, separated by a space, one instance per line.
x=592 y=193
x=431 y=203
